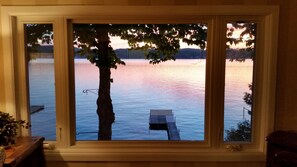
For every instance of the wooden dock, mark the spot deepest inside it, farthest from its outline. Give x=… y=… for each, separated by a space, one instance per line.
x=164 y=120
x=36 y=108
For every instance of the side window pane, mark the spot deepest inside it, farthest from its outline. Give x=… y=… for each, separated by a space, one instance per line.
x=40 y=59
x=240 y=54
x=124 y=74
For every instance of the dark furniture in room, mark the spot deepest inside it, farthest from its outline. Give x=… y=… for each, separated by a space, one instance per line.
x=282 y=149
x=27 y=152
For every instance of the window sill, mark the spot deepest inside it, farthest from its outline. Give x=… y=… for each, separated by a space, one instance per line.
x=147 y=154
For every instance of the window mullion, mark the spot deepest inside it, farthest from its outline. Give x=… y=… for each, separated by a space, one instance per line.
x=21 y=68
x=62 y=91
x=216 y=64
x=69 y=53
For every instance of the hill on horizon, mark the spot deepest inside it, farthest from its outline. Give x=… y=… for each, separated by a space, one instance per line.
x=184 y=53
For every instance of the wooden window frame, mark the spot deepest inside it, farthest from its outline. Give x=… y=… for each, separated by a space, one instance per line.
x=212 y=148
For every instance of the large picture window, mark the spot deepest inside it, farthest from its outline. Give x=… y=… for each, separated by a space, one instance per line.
x=126 y=79
x=156 y=67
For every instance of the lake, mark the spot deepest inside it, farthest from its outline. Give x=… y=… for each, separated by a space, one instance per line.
x=139 y=87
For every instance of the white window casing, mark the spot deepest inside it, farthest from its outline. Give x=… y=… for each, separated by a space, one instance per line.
x=212 y=148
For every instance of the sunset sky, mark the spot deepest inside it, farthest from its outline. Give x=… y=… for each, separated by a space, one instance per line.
x=117 y=43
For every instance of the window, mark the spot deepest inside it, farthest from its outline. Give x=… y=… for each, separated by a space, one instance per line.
x=216 y=70
x=141 y=87
x=40 y=63
x=240 y=56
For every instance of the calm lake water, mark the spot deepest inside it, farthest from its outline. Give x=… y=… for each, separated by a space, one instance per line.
x=139 y=87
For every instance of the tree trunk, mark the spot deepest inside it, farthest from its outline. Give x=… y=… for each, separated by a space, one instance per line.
x=104 y=103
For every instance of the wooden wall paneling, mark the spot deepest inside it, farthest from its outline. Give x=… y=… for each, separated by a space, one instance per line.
x=2 y=96
x=286 y=106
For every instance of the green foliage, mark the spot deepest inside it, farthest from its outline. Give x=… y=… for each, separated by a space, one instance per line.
x=247 y=36
x=8 y=128
x=159 y=41
x=239 y=55
x=37 y=34
x=248 y=98
x=241 y=133
x=88 y=38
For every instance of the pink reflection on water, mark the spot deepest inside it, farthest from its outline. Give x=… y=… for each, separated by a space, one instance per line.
x=175 y=77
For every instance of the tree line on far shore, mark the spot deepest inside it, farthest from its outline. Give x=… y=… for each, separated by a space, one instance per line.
x=185 y=53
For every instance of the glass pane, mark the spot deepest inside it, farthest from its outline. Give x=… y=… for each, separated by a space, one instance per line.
x=150 y=101
x=40 y=58
x=240 y=55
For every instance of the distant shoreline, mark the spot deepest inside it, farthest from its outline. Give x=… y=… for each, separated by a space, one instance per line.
x=125 y=53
